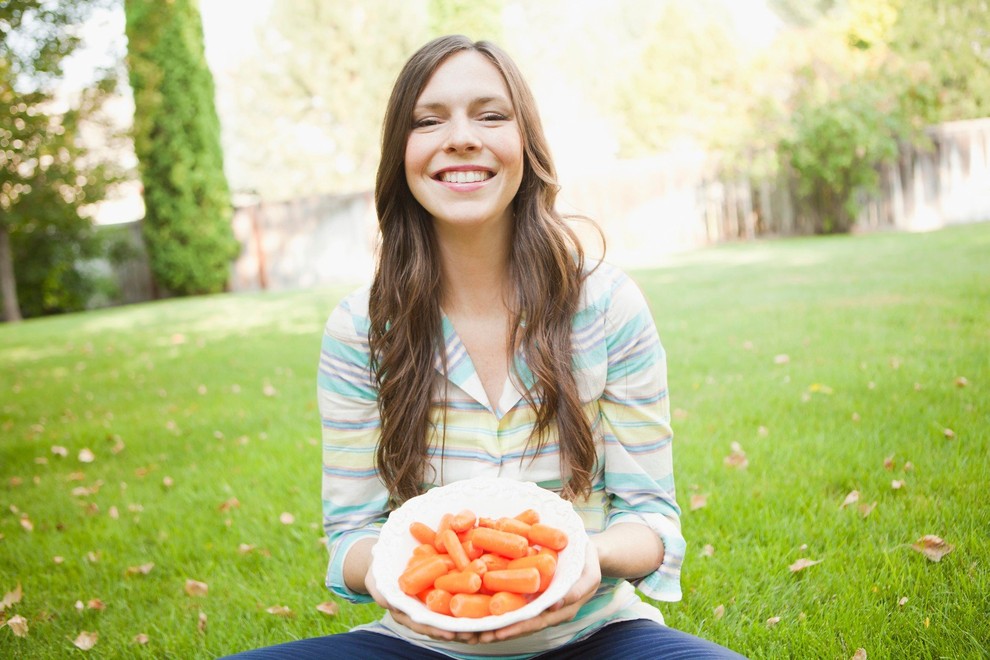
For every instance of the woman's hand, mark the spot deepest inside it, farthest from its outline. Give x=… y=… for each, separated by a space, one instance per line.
x=563 y=610
x=403 y=618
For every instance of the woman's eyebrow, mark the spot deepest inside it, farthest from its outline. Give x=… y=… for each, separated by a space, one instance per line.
x=482 y=100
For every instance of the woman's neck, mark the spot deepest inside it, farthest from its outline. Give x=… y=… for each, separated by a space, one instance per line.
x=475 y=271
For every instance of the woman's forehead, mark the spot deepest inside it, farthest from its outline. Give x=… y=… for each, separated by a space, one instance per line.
x=465 y=75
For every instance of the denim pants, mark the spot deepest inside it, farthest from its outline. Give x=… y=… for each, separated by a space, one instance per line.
x=625 y=640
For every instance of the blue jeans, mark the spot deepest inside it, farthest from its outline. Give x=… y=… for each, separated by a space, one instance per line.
x=625 y=640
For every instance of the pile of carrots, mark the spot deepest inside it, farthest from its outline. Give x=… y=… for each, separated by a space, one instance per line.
x=475 y=567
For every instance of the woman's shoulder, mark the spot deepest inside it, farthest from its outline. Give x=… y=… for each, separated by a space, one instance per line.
x=349 y=319
x=606 y=285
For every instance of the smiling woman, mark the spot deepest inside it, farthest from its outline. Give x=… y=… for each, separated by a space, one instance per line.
x=486 y=347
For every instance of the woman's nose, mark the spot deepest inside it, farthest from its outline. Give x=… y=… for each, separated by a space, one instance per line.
x=462 y=135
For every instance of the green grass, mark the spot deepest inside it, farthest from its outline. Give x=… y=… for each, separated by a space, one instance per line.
x=217 y=394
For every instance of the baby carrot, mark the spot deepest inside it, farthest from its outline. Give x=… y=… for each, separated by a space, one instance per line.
x=459 y=582
x=422 y=532
x=463 y=521
x=478 y=566
x=547 y=536
x=441 y=527
x=544 y=563
x=512 y=525
x=448 y=539
x=422 y=575
x=471 y=550
x=503 y=543
x=494 y=561
x=473 y=606
x=424 y=549
x=486 y=522
x=438 y=601
x=529 y=516
x=506 y=601
x=517 y=580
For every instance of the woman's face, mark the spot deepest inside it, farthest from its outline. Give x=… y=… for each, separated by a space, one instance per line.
x=464 y=156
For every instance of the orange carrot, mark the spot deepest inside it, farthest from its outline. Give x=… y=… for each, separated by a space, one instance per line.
x=512 y=525
x=547 y=536
x=471 y=550
x=424 y=549
x=494 y=561
x=529 y=516
x=422 y=532
x=486 y=522
x=473 y=606
x=506 y=601
x=503 y=543
x=548 y=551
x=422 y=575
x=516 y=580
x=443 y=526
x=459 y=582
x=438 y=600
x=463 y=521
x=544 y=563
x=448 y=539
x=478 y=566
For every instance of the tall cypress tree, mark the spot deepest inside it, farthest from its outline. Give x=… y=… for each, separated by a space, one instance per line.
x=177 y=140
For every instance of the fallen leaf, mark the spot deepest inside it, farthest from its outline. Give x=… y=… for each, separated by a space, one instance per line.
x=902 y=602
x=855 y=417
x=245 y=548
x=168 y=482
x=18 y=625
x=763 y=431
x=818 y=388
x=933 y=547
x=896 y=484
x=202 y=622
x=26 y=523
x=201 y=389
x=772 y=621
x=698 y=502
x=280 y=610
x=888 y=463
x=719 y=612
x=851 y=498
x=140 y=638
x=113 y=512
x=12 y=597
x=86 y=455
x=79 y=606
x=949 y=433
x=196 y=588
x=867 y=509
x=737 y=458
x=860 y=654
x=782 y=358
x=961 y=381
x=329 y=608
x=92 y=557
x=908 y=466
x=96 y=604
x=58 y=559
x=269 y=390
x=286 y=518
x=143 y=569
x=802 y=564
x=708 y=550
x=86 y=640
x=60 y=451
x=232 y=503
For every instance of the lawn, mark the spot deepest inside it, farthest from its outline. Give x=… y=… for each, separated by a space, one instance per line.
x=146 y=446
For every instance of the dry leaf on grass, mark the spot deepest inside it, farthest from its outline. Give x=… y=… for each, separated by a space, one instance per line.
x=201 y=624
x=708 y=550
x=902 y=602
x=18 y=625
x=802 y=564
x=286 y=518
x=698 y=502
x=933 y=547
x=140 y=638
x=196 y=588
x=281 y=610
x=949 y=433
x=329 y=608
x=12 y=597
x=866 y=509
x=860 y=654
x=737 y=458
x=896 y=484
x=26 y=523
x=86 y=640
x=782 y=358
x=961 y=381
x=143 y=569
x=232 y=503
x=719 y=612
x=851 y=498
x=888 y=463
x=772 y=621
x=86 y=455
x=96 y=604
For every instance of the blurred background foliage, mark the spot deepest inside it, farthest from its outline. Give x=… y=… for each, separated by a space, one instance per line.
x=828 y=94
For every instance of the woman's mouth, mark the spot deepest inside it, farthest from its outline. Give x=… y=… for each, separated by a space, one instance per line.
x=464 y=176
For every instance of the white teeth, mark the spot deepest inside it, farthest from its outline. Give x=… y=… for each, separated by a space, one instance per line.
x=471 y=176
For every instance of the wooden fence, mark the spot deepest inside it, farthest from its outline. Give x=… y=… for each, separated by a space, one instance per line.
x=646 y=208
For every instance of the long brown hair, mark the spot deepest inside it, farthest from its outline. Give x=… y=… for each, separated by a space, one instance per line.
x=546 y=267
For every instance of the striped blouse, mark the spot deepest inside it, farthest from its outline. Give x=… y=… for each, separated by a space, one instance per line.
x=621 y=375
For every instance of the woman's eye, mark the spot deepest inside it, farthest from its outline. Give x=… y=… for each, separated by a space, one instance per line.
x=493 y=116
x=425 y=122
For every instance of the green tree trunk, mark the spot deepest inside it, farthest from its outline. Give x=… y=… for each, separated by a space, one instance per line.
x=177 y=140
x=8 y=285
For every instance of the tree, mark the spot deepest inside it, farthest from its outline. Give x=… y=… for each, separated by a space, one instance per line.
x=48 y=176
x=186 y=227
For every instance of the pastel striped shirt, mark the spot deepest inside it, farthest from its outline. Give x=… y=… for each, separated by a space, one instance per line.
x=620 y=370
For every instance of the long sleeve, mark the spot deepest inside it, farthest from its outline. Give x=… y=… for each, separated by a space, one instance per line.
x=355 y=502
x=635 y=420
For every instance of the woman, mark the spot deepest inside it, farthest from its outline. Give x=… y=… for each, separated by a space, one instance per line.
x=486 y=346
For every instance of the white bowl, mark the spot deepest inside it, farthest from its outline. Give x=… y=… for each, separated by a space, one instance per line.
x=486 y=497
